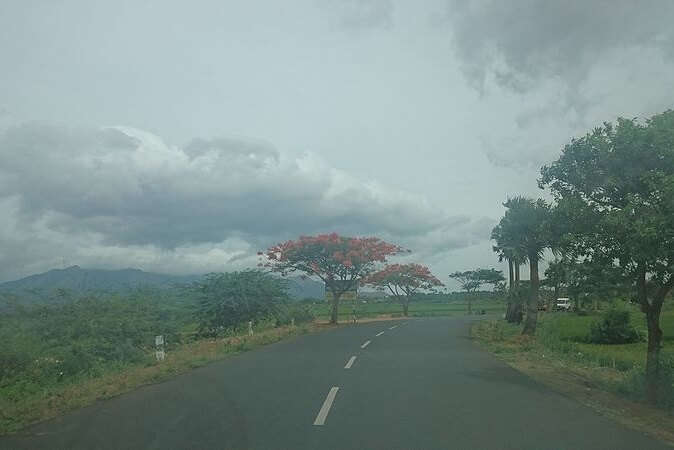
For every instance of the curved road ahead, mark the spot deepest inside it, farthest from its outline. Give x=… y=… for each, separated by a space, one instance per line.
x=417 y=384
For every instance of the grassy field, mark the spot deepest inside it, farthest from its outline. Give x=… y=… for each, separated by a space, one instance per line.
x=568 y=333
x=564 y=337
x=417 y=309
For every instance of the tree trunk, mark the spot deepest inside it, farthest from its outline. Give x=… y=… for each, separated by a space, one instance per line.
x=334 y=314
x=532 y=304
x=653 y=352
x=517 y=274
x=511 y=312
x=470 y=304
x=511 y=275
x=406 y=306
x=652 y=309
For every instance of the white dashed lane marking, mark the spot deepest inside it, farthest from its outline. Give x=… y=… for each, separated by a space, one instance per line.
x=327 y=404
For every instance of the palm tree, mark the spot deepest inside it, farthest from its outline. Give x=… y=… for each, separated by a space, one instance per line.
x=525 y=229
x=506 y=249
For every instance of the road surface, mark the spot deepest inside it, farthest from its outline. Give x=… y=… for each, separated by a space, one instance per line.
x=416 y=384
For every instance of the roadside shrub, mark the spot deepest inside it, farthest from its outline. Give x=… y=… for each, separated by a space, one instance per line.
x=301 y=313
x=634 y=385
x=226 y=300
x=12 y=362
x=613 y=328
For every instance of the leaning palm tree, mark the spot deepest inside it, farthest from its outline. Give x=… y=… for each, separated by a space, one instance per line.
x=526 y=226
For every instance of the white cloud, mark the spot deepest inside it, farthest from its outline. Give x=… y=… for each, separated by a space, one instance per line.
x=119 y=197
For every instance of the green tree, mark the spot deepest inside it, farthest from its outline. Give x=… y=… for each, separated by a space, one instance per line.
x=472 y=280
x=468 y=283
x=340 y=262
x=527 y=225
x=403 y=281
x=507 y=249
x=620 y=178
x=489 y=276
x=556 y=277
x=226 y=300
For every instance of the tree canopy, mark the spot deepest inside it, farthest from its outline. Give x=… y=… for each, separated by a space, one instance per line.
x=339 y=261
x=618 y=181
x=403 y=280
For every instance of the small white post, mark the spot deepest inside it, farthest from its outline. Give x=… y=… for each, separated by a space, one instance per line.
x=250 y=328
x=159 y=348
x=292 y=321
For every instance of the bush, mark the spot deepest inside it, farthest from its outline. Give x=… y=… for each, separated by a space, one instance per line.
x=613 y=328
x=227 y=300
x=300 y=313
x=634 y=385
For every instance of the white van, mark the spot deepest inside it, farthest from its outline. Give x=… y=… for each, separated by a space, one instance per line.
x=563 y=304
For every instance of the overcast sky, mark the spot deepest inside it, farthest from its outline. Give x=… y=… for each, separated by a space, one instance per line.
x=183 y=137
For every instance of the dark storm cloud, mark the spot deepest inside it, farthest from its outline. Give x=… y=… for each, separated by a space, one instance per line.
x=99 y=191
x=566 y=65
x=525 y=42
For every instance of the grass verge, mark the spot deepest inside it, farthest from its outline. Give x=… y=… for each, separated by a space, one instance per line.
x=594 y=382
x=58 y=399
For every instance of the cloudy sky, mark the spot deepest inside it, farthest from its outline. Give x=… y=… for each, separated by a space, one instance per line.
x=182 y=137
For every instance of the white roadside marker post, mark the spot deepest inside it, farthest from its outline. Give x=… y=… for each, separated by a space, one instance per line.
x=250 y=328
x=159 y=348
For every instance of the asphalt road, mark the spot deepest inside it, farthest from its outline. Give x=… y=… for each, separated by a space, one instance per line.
x=422 y=384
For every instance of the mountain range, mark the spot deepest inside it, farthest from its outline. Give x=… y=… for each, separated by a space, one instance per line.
x=78 y=280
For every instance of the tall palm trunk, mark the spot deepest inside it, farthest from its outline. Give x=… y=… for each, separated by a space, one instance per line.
x=514 y=315
x=532 y=304
x=511 y=280
x=511 y=274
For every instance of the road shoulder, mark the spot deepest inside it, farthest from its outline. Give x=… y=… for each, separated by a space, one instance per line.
x=578 y=382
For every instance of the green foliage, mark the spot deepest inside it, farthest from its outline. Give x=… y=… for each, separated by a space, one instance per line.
x=615 y=190
x=428 y=305
x=613 y=328
x=472 y=280
x=55 y=344
x=228 y=299
x=299 y=313
x=635 y=384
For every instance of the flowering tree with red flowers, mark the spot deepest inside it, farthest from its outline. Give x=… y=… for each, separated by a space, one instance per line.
x=403 y=280
x=341 y=262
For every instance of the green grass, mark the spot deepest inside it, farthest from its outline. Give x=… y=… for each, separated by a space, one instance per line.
x=568 y=332
x=563 y=336
x=575 y=328
x=417 y=309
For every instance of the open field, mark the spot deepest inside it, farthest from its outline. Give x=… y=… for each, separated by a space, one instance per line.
x=567 y=333
x=417 y=309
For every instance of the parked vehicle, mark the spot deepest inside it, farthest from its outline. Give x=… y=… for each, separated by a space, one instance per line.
x=563 y=304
